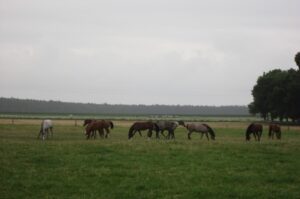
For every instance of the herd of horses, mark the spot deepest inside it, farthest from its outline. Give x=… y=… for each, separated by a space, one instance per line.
x=159 y=127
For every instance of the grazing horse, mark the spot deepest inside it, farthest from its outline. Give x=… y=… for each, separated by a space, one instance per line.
x=256 y=129
x=46 y=126
x=168 y=126
x=274 y=128
x=199 y=128
x=140 y=126
x=88 y=121
x=100 y=126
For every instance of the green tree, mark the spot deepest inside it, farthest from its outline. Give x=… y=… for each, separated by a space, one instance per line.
x=269 y=95
x=277 y=95
x=293 y=94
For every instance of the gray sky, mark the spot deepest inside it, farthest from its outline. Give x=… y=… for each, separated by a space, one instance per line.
x=144 y=52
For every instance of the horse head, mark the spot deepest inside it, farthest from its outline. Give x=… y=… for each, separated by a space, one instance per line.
x=180 y=122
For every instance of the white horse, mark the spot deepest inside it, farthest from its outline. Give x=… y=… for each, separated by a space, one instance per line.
x=46 y=126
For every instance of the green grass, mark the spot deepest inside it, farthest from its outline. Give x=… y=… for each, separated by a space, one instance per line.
x=68 y=166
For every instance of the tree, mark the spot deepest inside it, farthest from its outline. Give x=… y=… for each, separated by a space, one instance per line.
x=297 y=59
x=277 y=95
x=293 y=95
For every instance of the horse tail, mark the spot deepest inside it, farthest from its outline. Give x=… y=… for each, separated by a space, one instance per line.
x=130 y=132
x=270 y=130
x=211 y=132
x=279 y=133
x=111 y=124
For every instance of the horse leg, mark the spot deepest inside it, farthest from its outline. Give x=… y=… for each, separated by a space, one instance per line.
x=173 y=134
x=189 y=134
x=39 y=135
x=101 y=133
x=107 y=132
x=149 y=134
x=201 y=136
x=162 y=132
x=43 y=137
x=134 y=132
x=139 y=133
x=157 y=134
x=278 y=135
x=254 y=134
x=94 y=134
x=206 y=135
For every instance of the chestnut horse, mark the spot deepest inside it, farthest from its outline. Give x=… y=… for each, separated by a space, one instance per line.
x=256 y=130
x=199 y=128
x=100 y=126
x=141 y=126
x=274 y=128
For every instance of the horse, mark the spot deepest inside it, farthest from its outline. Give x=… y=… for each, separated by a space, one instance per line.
x=141 y=126
x=46 y=126
x=100 y=126
x=256 y=129
x=199 y=128
x=168 y=126
x=274 y=128
x=88 y=121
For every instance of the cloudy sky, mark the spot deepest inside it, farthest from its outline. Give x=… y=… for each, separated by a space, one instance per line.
x=144 y=52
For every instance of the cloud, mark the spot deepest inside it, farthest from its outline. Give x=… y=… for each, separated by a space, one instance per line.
x=158 y=52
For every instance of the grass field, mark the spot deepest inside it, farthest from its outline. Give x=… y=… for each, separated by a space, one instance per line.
x=68 y=166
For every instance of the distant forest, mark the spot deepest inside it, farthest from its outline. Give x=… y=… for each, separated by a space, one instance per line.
x=13 y=105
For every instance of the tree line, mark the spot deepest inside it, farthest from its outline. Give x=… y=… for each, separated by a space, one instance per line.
x=14 y=105
x=276 y=94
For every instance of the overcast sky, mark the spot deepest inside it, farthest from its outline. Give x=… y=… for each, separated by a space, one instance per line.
x=144 y=52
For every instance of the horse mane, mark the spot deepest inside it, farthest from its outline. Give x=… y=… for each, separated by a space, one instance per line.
x=131 y=129
x=249 y=128
x=248 y=131
x=211 y=131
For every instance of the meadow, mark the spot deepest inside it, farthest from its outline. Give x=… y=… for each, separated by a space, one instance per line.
x=69 y=166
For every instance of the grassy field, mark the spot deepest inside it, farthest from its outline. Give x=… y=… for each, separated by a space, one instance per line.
x=68 y=166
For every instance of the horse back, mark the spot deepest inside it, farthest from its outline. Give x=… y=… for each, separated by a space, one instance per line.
x=46 y=124
x=198 y=127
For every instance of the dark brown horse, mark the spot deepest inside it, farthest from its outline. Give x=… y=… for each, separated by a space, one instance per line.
x=274 y=129
x=256 y=130
x=100 y=126
x=141 y=126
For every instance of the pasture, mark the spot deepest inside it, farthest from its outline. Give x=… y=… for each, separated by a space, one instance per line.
x=69 y=166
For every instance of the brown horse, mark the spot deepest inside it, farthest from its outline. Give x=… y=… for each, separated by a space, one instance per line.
x=100 y=126
x=256 y=129
x=141 y=126
x=274 y=128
